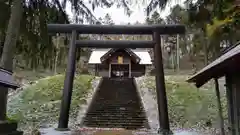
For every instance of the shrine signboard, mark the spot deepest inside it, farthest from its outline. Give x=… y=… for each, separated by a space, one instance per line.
x=120 y=60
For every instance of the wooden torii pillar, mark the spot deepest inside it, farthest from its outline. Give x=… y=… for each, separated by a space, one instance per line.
x=155 y=30
x=160 y=86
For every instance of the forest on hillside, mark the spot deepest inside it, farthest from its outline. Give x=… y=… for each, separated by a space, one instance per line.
x=211 y=27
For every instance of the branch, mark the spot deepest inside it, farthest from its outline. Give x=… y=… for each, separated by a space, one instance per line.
x=62 y=10
x=154 y=3
x=87 y=11
x=126 y=7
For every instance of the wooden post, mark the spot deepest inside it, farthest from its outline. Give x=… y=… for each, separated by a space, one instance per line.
x=110 y=70
x=160 y=86
x=3 y=103
x=95 y=66
x=230 y=105
x=219 y=106
x=130 y=70
x=178 y=63
x=68 y=84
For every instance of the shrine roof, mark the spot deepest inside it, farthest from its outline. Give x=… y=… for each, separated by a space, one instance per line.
x=225 y=64
x=144 y=56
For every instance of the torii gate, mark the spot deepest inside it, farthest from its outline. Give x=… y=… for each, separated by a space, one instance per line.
x=154 y=30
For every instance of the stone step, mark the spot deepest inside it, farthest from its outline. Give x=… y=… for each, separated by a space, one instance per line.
x=120 y=116
x=114 y=121
x=114 y=102
x=126 y=104
x=115 y=118
x=116 y=125
x=123 y=112
x=116 y=110
x=117 y=101
x=116 y=105
x=117 y=96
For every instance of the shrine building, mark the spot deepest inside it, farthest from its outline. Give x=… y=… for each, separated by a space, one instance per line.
x=120 y=62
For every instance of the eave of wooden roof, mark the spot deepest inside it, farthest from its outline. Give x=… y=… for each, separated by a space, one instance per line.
x=131 y=53
x=6 y=79
x=96 y=54
x=217 y=68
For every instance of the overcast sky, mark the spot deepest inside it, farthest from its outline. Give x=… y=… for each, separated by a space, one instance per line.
x=118 y=15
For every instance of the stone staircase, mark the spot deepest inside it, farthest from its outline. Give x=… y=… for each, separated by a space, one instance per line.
x=116 y=104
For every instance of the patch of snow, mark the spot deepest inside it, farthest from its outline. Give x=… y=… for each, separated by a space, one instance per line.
x=151 y=108
x=52 y=131
x=150 y=105
x=84 y=107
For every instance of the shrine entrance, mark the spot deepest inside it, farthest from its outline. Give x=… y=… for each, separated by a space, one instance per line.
x=118 y=70
x=154 y=30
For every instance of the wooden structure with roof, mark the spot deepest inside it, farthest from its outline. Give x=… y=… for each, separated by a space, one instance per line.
x=226 y=66
x=7 y=127
x=119 y=62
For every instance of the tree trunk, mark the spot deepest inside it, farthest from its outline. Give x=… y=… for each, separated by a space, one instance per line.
x=57 y=53
x=178 y=56
x=205 y=52
x=173 y=60
x=8 y=49
x=205 y=45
